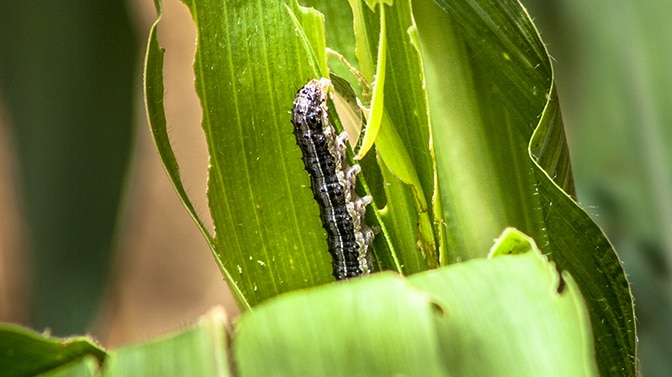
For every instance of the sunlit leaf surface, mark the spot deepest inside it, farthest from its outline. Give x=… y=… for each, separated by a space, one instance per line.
x=470 y=142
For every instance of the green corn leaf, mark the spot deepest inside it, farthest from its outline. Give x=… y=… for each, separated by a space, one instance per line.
x=470 y=142
x=498 y=317
x=505 y=161
x=24 y=352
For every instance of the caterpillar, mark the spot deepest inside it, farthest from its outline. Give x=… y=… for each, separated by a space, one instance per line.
x=332 y=181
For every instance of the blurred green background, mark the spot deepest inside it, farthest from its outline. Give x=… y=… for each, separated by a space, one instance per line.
x=69 y=75
x=69 y=78
x=612 y=61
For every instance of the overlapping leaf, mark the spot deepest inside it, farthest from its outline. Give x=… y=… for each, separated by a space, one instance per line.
x=473 y=319
x=503 y=100
x=481 y=149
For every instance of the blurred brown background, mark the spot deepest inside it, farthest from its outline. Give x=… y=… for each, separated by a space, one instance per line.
x=97 y=241
x=93 y=237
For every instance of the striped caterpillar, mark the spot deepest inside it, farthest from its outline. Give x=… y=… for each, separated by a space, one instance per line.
x=333 y=182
